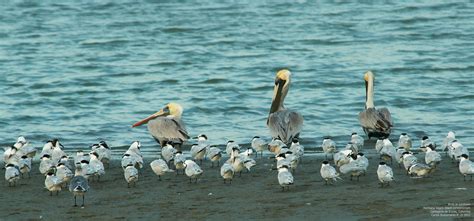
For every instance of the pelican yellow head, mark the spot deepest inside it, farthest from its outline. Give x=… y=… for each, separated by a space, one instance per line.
x=172 y=109
x=283 y=74
x=368 y=75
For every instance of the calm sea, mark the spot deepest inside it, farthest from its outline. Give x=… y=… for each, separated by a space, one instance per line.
x=86 y=71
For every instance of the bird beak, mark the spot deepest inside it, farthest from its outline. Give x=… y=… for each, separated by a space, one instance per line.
x=279 y=83
x=151 y=117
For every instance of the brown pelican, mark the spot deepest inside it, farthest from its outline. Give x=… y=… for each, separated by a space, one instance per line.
x=375 y=122
x=283 y=123
x=166 y=125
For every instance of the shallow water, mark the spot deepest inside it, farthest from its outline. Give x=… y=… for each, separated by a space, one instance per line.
x=87 y=71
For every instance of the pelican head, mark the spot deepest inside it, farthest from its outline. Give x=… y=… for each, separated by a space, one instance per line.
x=171 y=109
x=369 y=89
x=282 y=84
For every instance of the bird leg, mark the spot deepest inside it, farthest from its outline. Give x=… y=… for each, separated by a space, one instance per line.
x=75 y=204
x=128 y=185
x=83 y=199
x=50 y=193
x=159 y=177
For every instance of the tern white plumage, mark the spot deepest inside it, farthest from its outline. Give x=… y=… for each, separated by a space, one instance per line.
x=168 y=152
x=52 y=183
x=160 y=167
x=193 y=171
x=357 y=140
x=63 y=173
x=87 y=170
x=131 y=175
x=130 y=159
x=45 y=164
x=80 y=157
x=329 y=147
x=328 y=173
x=104 y=152
x=285 y=178
x=425 y=142
x=47 y=148
x=385 y=174
x=296 y=148
x=11 y=156
x=342 y=157
x=448 y=140
x=96 y=165
x=405 y=141
x=134 y=153
x=179 y=159
x=466 y=166
x=227 y=172
x=388 y=152
x=420 y=170
x=23 y=147
x=230 y=146
x=214 y=155
x=57 y=151
x=432 y=157
x=379 y=145
x=198 y=152
x=457 y=150
x=408 y=160
x=247 y=160
x=12 y=174
x=24 y=164
x=355 y=167
x=236 y=161
x=259 y=145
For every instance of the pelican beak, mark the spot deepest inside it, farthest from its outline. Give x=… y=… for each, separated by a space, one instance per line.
x=279 y=83
x=151 y=117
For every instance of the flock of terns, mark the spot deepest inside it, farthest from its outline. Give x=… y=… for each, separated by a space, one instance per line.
x=285 y=126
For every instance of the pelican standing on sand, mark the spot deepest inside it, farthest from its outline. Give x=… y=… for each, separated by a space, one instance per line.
x=166 y=125
x=375 y=122
x=283 y=123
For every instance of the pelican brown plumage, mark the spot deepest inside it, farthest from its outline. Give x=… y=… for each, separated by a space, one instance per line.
x=375 y=122
x=283 y=123
x=166 y=125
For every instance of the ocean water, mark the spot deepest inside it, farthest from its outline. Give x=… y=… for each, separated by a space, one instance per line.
x=86 y=71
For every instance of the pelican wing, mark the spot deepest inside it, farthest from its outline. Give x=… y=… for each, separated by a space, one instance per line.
x=379 y=120
x=285 y=124
x=168 y=128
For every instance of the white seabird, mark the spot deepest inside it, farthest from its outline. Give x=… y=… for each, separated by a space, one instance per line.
x=385 y=174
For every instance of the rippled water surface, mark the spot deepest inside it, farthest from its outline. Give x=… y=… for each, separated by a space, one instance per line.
x=87 y=71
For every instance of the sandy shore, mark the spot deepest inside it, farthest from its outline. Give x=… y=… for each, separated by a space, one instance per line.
x=253 y=196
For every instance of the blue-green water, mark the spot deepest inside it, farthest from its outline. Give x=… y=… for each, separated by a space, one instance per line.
x=87 y=71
